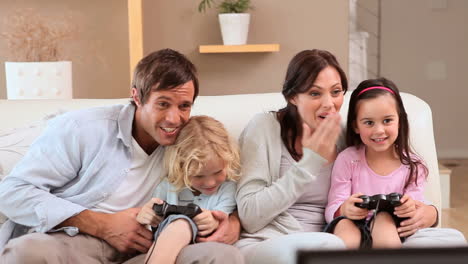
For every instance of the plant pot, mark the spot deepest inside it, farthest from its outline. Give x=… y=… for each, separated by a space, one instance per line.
x=39 y=80
x=234 y=28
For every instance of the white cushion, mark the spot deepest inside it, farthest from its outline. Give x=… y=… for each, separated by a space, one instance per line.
x=15 y=142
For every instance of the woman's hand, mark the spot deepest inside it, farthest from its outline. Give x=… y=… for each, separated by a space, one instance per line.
x=424 y=216
x=206 y=223
x=407 y=209
x=323 y=139
x=350 y=210
x=228 y=231
x=147 y=216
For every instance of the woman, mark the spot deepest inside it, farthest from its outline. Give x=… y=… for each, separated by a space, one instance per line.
x=286 y=159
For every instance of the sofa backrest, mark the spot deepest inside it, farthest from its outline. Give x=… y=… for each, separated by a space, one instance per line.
x=234 y=111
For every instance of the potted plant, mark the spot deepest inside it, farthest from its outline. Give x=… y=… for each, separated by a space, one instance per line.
x=38 y=65
x=233 y=19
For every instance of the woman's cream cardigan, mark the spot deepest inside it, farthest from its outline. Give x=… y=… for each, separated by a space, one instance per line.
x=263 y=198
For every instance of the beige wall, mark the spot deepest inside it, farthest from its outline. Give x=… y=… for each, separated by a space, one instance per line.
x=101 y=58
x=295 y=25
x=424 y=52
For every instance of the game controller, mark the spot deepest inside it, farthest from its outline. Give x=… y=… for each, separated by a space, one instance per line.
x=165 y=209
x=385 y=202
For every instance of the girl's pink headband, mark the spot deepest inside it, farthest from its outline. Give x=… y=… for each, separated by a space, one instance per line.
x=377 y=87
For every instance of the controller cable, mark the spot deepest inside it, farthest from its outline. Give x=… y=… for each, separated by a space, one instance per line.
x=375 y=215
x=152 y=248
x=164 y=209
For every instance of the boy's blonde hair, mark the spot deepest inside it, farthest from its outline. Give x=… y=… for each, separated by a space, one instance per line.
x=200 y=137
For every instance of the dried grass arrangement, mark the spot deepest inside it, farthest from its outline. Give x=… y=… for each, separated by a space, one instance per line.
x=31 y=36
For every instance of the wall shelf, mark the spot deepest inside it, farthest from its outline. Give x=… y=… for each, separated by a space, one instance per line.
x=239 y=48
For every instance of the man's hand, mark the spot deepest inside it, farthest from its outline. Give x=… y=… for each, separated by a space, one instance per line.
x=228 y=231
x=147 y=216
x=424 y=216
x=120 y=230
x=123 y=232
x=350 y=210
x=206 y=223
x=323 y=139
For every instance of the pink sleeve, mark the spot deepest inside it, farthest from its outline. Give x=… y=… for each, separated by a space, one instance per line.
x=417 y=191
x=340 y=186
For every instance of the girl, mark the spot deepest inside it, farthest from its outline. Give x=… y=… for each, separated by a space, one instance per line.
x=202 y=166
x=378 y=160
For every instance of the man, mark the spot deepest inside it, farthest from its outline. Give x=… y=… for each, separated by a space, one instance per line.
x=77 y=191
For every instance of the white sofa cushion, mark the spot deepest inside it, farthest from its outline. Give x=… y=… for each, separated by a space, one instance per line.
x=15 y=142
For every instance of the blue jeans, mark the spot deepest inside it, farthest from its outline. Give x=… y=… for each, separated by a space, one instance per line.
x=172 y=218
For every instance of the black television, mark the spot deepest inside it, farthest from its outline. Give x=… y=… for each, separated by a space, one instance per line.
x=456 y=255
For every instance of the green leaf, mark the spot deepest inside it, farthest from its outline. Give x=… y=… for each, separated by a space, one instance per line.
x=226 y=6
x=205 y=4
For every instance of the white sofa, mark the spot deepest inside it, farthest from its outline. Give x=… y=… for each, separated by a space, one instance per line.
x=21 y=121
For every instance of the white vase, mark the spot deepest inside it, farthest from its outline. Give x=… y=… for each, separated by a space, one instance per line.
x=39 y=80
x=234 y=28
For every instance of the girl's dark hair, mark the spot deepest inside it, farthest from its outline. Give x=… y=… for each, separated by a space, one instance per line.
x=300 y=76
x=402 y=145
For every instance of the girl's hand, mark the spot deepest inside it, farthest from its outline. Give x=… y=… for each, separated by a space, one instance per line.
x=323 y=139
x=350 y=210
x=206 y=223
x=147 y=216
x=407 y=208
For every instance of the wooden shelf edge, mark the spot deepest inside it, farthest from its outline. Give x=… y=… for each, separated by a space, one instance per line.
x=239 y=48
x=443 y=169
